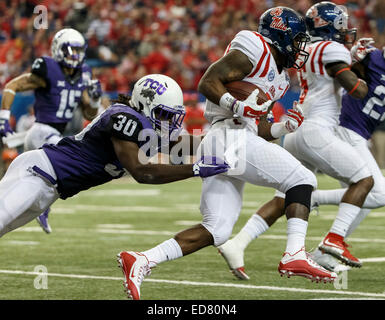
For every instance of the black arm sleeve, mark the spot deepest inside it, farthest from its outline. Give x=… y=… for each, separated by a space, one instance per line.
x=39 y=68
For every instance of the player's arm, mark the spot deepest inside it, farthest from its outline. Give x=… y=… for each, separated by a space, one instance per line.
x=341 y=71
x=24 y=82
x=128 y=154
x=232 y=67
x=89 y=109
x=271 y=131
x=187 y=142
x=91 y=100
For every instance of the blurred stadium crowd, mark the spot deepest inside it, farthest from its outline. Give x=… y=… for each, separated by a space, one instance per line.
x=130 y=38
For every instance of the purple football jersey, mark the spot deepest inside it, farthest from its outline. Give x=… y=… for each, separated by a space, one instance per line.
x=88 y=159
x=56 y=102
x=363 y=116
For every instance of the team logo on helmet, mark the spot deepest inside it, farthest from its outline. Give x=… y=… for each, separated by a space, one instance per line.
x=278 y=24
x=318 y=21
x=276 y=11
x=341 y=21
x=277 y=21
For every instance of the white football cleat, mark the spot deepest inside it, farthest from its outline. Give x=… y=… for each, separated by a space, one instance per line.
x=135 y=267
x=300 y=264
x=327 y=261
x=233 y=256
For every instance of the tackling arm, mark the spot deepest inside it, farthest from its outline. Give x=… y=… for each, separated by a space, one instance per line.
x=128 y=154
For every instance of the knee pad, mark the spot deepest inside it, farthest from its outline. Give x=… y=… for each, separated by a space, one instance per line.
x=299 y=194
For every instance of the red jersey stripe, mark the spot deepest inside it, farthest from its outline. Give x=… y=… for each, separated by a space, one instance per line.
x=312 y=66
x=304 y=87
x=265 y=52
x=321 y=68
x=267 y=65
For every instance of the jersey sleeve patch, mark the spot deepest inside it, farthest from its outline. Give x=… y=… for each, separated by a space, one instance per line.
x=125 y=126
x=336 y=52
x=39 y=68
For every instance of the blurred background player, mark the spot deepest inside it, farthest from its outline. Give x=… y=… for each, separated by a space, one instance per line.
x=316 y=143
x=61 y=83
x=260 y=58
x=117 y=141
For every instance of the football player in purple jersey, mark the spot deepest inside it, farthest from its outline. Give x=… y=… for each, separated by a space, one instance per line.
x=113 y=144
x=61 y=83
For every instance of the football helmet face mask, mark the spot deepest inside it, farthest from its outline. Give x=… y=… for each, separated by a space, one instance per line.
x=160 y=99
x=286 y=30
x=328 y=21
x=68 y=48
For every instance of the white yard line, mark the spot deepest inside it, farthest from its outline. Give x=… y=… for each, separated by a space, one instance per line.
x=207 y=284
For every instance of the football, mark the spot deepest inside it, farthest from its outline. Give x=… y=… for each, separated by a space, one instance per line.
x=242 y=89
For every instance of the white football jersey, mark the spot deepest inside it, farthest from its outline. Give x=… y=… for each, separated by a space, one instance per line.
x=264 y=74
x=320 y=94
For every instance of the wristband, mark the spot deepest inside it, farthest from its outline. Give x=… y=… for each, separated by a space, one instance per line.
x=227 y=101
x=278 y=129
x=5 y=114
x=355 y=87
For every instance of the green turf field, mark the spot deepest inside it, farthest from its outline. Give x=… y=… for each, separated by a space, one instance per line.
x=91 y=228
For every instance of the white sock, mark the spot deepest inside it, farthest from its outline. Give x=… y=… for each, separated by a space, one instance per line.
x=166 y=251
x=361 y=216
x=328 y=196
x=254 y=227
x=296 y=234
x=346 y=214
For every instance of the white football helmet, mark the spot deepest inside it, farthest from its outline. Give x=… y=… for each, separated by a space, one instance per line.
x=160 y=99
x=68 y=48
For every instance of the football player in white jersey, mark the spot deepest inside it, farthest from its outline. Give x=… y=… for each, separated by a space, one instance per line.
x=316 y=143
x=260 y=58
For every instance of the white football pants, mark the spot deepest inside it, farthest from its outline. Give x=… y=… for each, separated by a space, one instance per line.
x=320 y=147
x=40 y=134
x=24 y=195
x=252 y=159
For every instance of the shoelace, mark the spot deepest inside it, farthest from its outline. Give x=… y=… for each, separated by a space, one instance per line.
x=313 y=263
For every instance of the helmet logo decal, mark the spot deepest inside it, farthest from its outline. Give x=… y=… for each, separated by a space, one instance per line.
x=341 y=21
x=277 y=21
x=149 y=94
x=318 y=21
x=276 y=11
x=154 y=85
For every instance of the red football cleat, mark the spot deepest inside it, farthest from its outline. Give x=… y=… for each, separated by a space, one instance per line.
x=135 y=267
x=334 y=245
x=300 y=264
